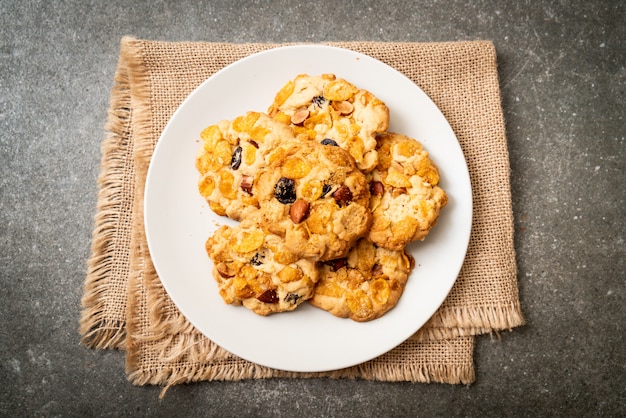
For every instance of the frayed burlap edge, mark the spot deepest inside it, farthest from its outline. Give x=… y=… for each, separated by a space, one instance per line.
x=142 y=151
x=474 y=321
x=187 y=356
x=183 y=355
x=101 y=331
x=222 y=369
x=97 y=327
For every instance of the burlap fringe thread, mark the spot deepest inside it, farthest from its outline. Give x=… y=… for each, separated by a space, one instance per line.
x=187 y=351
x=98 y=329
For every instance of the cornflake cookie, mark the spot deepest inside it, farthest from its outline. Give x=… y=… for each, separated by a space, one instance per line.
x=255 y=269
x=331 y=109
x=231 y=159
x=315 y=197
x=406 y=199
x=364 y=285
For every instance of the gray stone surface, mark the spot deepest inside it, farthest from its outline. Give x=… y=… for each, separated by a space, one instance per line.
x=563 y=83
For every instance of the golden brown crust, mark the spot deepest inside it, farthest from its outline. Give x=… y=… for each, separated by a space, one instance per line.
x=406 y=199
x=326 y=107
x=231 y=159
x=365 y=285
x=315 y=197
x=327 y=201
x=255 y=269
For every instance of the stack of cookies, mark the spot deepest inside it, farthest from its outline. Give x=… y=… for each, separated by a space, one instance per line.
x=327 y=201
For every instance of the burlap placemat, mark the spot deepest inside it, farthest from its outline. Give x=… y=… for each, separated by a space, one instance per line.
x=124 y=304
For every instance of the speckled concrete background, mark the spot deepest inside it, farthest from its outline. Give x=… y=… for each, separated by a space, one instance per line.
x=563 y=83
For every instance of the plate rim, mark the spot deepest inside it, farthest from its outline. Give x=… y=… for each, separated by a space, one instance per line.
x=244 y=61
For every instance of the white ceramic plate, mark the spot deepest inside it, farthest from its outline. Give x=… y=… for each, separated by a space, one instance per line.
x=178 y=221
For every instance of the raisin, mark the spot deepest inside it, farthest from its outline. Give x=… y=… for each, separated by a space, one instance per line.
x=292 y=298
x=337 y=263
x=257 y=260
x=235 y=162
x=377 y=188
x=328 y=141
x=319 y=100
x=326 y=188
x=253 y=143
x=285 y=190
x=269 y=296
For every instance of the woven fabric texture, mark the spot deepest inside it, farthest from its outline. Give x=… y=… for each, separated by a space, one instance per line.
x=124 y=303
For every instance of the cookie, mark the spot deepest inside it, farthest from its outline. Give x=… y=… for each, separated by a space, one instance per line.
x=315 y=197
x=327 y=108
x=364 y=285
x=405 y=197
x=255 y=269
x=231 y=158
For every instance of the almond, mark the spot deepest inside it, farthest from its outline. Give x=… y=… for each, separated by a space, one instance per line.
x=246 y=184
x=300 y=116
x=407 y=168
x=344 y=107
x=397 y=191
x=299 y=211
x=396 y=165
x=225 y=270
x=343 y=195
